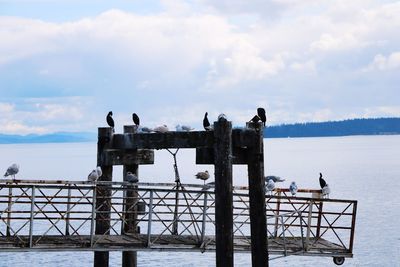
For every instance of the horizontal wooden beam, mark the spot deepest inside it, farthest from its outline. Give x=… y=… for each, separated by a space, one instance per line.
x=127 y=157
x=163 y=140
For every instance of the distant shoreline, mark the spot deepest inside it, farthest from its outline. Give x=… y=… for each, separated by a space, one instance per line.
x=354 y=127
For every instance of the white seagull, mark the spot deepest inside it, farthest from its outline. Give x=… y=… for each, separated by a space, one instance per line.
x=203 y=176
x=132 y=178
x=12 y=170
x=161 y=129
x=270 y=186
x=95 y=174
x=293 y=188
x=274 y=178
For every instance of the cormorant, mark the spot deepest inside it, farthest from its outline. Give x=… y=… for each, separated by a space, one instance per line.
x=135 y=119
x=110 y=120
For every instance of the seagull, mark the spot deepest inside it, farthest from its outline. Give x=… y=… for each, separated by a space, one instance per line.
x=270 y=186
x=206 y=123
x=261 y=114
x=161 y=129
x=324 y=186
x=135 y=119
x=183 y=128
x=95 y=174
x=12 y=170
x=203 y=176
x=144 y=130
x=274 y=178
x=293 y=188
x=132 y=178
x=110 y=120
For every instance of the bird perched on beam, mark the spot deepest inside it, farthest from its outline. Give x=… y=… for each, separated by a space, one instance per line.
x=324 y=186
x=270 y=186
x=12 y=170
x=135 y=119
x=161 y=129
x=274 y=178
x=203 y=176
x=110 y=120
x=261 y=115
x=206 y=123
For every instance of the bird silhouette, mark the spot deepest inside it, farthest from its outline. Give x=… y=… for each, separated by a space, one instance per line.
x=135 y=119
x=110 y=120
x=261 y=115
x=206 y=123
x=326 y=190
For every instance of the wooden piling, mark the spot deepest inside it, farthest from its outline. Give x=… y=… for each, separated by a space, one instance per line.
x=258 y=220
x=129 y=258
x=103 y=194
x=223 y=193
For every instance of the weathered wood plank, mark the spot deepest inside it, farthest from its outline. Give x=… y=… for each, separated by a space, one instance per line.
x=205 y=155
x=163 y=140
x=127 y=157
x=258 y=229
x=223 y=193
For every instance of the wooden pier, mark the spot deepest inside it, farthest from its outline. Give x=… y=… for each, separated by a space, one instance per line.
x=109 y=216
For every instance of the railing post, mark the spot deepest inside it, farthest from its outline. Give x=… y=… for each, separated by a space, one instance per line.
x=129 y=258
x=32 y=215
x=103 y=194
x=278 y=206
x=223 y=193
x=258 y=223
x=92 y=221
x=309 y=221
x=149 y=220
x=10 y=195
x=353 y=225
x=203 y=226
x=67 y=211
x=320 y=207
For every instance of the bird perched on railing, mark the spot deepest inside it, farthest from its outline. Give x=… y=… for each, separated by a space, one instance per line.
x=326 y=190
x=293 y=188
x=135 y=119
x=183 y=128
x=274 y=178
x=203 y=176
x=110 y=120
x=270 y=186
x=131 y=177
x=206 y=124
x=12 y=170
x=95 y=174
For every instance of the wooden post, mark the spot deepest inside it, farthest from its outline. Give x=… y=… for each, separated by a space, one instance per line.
x=129 y=258
x=103 y=194
x=223 y=193
x=258 y=220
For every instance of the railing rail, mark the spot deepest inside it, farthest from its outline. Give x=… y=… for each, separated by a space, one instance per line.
x=32 y=211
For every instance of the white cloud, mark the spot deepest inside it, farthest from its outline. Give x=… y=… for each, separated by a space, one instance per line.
x=382 y=63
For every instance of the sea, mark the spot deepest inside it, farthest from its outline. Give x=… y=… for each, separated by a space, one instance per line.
x=362 y=168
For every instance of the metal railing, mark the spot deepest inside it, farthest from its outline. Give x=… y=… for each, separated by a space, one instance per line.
x=36 y=214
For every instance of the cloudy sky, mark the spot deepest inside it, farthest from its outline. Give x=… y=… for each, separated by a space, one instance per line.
x=64 y=64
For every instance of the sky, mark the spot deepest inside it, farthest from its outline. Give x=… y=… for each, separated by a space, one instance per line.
x=64 y=64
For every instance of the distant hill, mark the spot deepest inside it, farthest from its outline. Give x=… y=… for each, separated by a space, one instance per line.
x=378 y=126
x=61 y=137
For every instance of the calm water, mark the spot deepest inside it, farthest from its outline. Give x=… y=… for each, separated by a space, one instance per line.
x=365 y=168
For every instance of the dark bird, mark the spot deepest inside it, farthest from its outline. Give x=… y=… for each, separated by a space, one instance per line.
x=110 y=120
x=326 y=190
x=131 y=177
x=322 y=182
x=206 y=123
x=135 y=119
x=261 y=114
